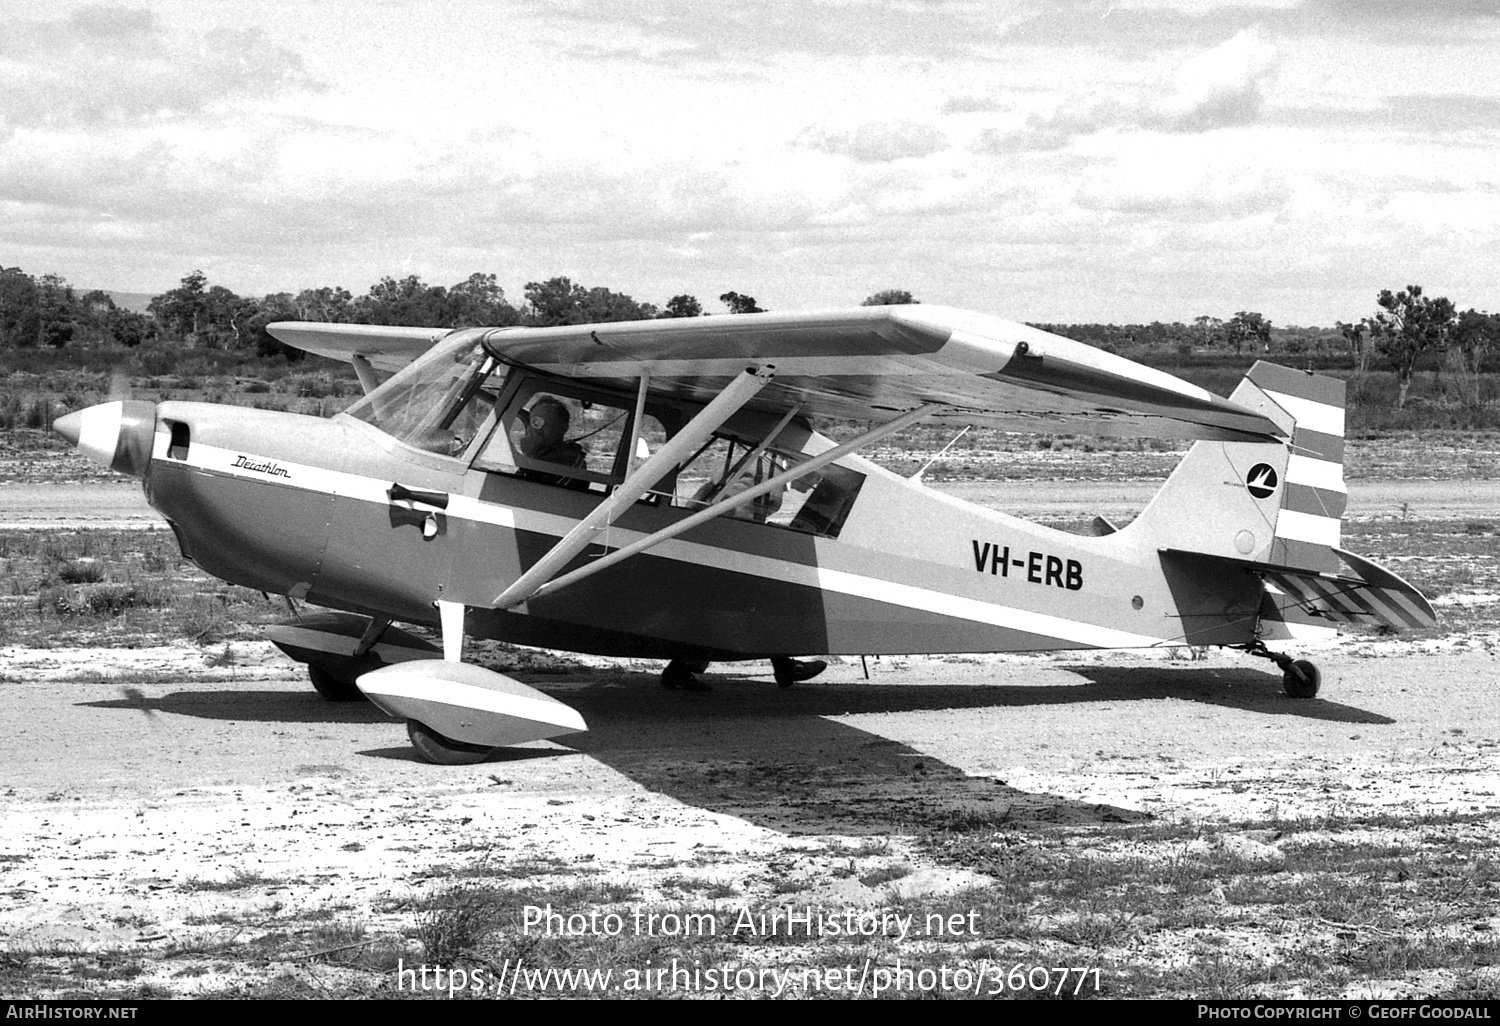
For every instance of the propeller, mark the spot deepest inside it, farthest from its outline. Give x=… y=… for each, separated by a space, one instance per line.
x=120 y=385
x=117 y=433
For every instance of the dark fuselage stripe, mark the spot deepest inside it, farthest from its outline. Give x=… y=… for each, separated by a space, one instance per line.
x=233 y=463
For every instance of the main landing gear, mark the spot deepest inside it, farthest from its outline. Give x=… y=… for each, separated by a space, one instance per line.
x=339 y=648
x=335 y=685
x=1299 y=677
x=456 y=713
x=443 y=751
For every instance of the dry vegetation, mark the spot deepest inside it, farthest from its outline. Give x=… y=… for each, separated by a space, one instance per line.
x=1390 y=904
x=115 y=588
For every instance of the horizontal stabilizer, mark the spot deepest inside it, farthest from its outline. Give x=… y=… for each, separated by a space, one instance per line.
x=469 y=703
x=1362 y=593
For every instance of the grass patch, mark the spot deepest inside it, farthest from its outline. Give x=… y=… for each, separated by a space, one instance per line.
x=885 y=875
x=451 y=923
x=705 y=886
x=1378 y=897
x=239 y=880
x=116 y=588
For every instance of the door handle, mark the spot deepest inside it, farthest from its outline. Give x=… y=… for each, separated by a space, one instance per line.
x=419 y=501
x=400 y=493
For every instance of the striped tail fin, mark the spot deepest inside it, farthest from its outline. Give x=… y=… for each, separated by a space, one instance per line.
x=1276 y=511
x=1269 y=502
x=1313 y=497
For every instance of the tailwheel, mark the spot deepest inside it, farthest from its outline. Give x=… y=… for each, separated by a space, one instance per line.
x=1301 y=679
x=443 y=751
x=334 y=687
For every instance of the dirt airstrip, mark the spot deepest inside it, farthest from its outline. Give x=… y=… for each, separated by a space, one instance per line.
x=181 y=820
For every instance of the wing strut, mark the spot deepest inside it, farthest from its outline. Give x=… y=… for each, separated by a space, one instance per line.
x=739 y=392
x=635 y=422
x=366 y=373
x=724 y=506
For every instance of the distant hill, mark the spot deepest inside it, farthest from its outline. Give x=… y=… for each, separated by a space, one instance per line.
x=134 y=301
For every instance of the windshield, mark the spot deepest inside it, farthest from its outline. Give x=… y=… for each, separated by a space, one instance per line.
x=440 y=401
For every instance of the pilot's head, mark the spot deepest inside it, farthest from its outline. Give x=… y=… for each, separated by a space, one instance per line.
x=545 y=424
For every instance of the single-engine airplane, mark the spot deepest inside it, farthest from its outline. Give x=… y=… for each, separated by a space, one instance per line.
x=657 y=489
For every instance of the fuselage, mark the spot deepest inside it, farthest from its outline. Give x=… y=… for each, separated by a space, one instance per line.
x=312 y=508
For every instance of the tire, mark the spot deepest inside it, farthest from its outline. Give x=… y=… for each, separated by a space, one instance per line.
x=443 y=751
x=332 y=687
x=1302 y=679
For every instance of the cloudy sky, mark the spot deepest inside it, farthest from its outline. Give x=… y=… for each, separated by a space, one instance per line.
x=1063 y=160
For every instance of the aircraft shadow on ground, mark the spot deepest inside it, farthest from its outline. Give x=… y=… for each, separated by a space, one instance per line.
x=777 y=758
x=245 y=706
x=499 y=757
x=1245 y=689
x=1233 y=688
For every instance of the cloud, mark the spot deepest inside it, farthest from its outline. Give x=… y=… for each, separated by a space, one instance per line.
x=1128 y=28
x=1222 y=87
x=879 y=142
x=106 y=66
x=1406 y=10
x=1439 y=114
x=757 y=32
x=112 y=23
x=138 y=179
x=1168 y=190
x=971 y=105
x=1075 y=116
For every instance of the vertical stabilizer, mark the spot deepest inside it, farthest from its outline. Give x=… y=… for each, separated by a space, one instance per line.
x=1279 y=503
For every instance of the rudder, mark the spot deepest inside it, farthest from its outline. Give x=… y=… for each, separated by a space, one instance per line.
x=1309 y=522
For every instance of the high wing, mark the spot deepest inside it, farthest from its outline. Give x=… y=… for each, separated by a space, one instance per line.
x=859 y=364
x=385 y=348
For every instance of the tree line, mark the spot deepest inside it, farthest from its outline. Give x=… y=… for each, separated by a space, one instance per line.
x=1406 y=327
x=1409 y=324
x=45 y=311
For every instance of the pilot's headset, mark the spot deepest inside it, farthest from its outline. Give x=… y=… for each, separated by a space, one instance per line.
x=549 y=419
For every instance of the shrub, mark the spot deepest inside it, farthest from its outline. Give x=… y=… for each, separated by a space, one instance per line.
x=81 y=571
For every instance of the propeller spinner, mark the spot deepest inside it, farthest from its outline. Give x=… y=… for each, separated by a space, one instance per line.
x=117 y=434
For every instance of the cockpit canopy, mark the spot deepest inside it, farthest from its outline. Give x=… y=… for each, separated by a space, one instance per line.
x=460 y=401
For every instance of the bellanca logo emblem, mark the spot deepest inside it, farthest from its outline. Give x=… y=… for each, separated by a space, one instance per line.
x=1261 y=480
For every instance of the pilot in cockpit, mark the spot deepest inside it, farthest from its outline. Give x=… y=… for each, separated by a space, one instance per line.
x=540 y=435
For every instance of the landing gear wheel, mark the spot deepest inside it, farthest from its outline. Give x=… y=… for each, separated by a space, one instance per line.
x=332 y=687
x=1301 y=679
x=443 y=751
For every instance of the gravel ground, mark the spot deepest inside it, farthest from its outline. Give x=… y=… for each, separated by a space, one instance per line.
x=185 y=816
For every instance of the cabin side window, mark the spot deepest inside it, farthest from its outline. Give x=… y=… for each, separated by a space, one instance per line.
x=438 y=403
x=816 y=503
